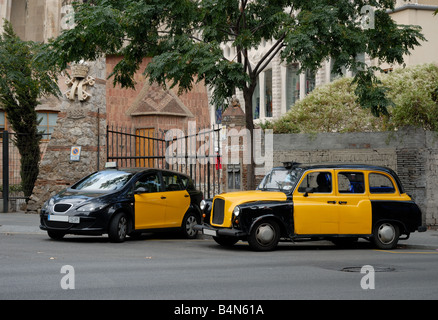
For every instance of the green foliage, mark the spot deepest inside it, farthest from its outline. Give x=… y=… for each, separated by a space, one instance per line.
x=334 y=107
x=25 y=76
x=184 y=38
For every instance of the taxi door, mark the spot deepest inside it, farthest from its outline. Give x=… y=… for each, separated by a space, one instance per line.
x=150 y=202
x=353 y=204
x=315 y=204
x=177 y=199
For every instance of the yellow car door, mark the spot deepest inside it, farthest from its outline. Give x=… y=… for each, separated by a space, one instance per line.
x=315 y=204
x=150 y=202
x=353 y=204
x=177 y=200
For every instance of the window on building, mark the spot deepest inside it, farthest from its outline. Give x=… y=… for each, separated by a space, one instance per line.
x=268 y=93
x=3 y=121
x=256 y=102
x=47 y=124
x=310 y=81
x=292 y=85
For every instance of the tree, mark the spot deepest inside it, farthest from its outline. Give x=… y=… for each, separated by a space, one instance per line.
x=24 y=79
x=184 y=38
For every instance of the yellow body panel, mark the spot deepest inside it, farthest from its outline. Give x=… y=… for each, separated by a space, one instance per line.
x=234 y=198
x=178 y=202
x=150 y=210
x=160 y=209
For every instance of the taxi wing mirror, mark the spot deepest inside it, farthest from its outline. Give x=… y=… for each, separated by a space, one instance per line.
x=307 y=191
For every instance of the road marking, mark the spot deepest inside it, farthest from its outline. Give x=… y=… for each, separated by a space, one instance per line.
x=408 y=252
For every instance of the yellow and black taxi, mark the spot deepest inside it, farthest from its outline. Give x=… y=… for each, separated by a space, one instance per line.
x=124 y=202
x=341 y=203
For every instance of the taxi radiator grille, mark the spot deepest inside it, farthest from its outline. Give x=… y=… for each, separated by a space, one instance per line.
x=218 y=211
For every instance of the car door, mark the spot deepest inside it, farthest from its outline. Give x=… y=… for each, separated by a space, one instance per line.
x=150 y=202
x=177 y=199
x=353 y=203
x=315 y=204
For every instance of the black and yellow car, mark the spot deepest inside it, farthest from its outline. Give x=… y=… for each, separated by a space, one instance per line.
x=124 y=202
x=341 y=203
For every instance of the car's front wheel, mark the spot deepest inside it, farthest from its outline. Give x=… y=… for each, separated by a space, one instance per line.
x=386 y=235
x=118 y=228
x=55 y=235
x=264 y=236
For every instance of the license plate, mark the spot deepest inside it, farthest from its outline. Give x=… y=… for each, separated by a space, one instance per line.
x=69 y=219
x=209 y=232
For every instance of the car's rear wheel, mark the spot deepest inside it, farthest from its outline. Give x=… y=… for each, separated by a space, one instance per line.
x=386 y=235
x=264 y=236
x=187 y=227
x=118 y=228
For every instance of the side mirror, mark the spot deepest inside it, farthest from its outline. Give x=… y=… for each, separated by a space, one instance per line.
x=307 y=191
x=140 y=190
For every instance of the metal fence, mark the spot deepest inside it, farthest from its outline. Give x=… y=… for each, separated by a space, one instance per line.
x=195 y=154
x=12 y=188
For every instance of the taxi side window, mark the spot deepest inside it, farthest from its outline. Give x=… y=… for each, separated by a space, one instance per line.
x=187 y=183
x=148 y=183
x=172 y=182
x=380 y=183
x=317 y=182
x=351 y=182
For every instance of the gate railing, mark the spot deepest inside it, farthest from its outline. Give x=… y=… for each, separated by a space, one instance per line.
x=195 y=154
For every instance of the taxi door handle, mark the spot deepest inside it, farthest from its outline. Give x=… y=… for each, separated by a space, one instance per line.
x=332 y=202
x=163 y=197
x=342 y=202
x=186 y=196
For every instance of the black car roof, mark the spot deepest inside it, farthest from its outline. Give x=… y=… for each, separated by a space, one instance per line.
x=140 y=170
x=290 y=165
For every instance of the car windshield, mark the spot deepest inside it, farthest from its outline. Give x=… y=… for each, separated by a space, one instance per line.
x=281 y=179
x=103 y=181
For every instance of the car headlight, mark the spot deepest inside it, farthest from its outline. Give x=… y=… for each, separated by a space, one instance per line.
x=236 y=211
x=49 y=203
x=90 y=207
x=202 y=204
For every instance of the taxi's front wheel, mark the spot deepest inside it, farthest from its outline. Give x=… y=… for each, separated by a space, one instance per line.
x=264 y=236
x=386 y=235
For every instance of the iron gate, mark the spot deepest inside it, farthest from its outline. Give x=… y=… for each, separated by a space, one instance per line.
x=195 y=154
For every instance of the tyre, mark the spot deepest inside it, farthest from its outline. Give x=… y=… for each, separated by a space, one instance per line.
x=264 y=236
x=187 y=227
x=386 y=235
x=225 y=241
x=118 y=228
x=56 y=235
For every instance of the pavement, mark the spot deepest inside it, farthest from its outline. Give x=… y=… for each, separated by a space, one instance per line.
x=20 y=222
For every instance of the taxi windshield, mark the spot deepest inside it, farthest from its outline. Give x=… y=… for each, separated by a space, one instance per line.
x=281 y=179
x=103 y=181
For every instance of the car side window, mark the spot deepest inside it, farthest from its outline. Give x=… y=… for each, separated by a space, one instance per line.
x=172 y=182
x=316 y=182
x=148 y=183
x=379 y=183
x=351 y=182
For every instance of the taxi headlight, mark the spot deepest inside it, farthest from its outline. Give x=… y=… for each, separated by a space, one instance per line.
x=236 y=211
x=202 y=205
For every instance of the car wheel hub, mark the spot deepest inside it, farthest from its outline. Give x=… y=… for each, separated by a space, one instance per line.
x=122 y=227
x=386 y=233
x=191 y=222
x=265 y=234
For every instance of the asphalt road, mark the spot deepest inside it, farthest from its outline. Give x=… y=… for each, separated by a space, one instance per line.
x=165 y=267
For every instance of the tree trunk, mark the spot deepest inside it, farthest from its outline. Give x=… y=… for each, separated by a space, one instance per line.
x=250 y=168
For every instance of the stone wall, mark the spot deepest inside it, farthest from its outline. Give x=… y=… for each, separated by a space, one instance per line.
x=413 y=154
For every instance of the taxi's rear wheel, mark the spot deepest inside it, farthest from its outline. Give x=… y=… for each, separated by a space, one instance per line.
x=386 y=235
x=118 y=228
x=264 y=236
